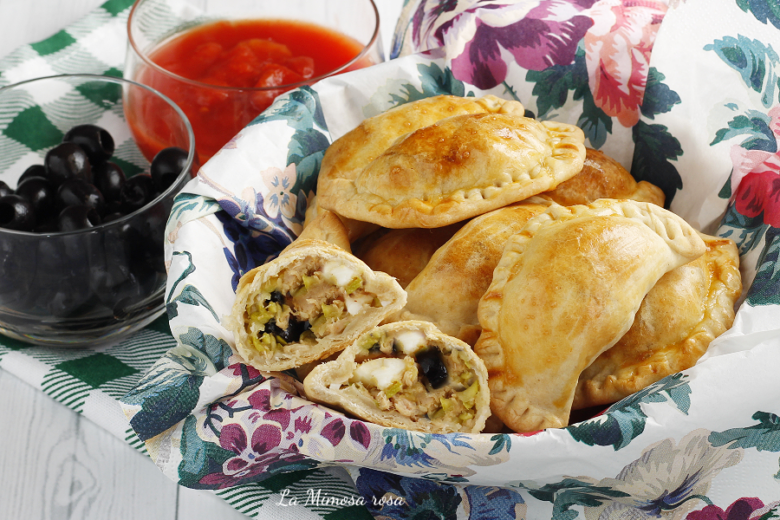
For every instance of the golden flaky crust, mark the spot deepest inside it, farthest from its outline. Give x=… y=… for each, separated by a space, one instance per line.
x=328 y=383
x=448 y=289
x=602 y=177
x=566 y=289
x=402 y=253
x=688 y=308
x=352 y=152
x=325 y=226
x=355 y=228
x=458 y=168
x=249 y=287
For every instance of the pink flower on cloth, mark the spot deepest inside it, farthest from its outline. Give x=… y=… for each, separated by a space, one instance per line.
x=617 y=54
x=482 y=36
x=741 y=509
x=745 y=161
x=759 y=192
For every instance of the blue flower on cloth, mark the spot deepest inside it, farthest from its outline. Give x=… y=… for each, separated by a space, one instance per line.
x=280 y=197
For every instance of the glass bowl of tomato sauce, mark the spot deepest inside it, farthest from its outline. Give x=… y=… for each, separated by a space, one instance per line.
x=225 y=62
x=91 y=276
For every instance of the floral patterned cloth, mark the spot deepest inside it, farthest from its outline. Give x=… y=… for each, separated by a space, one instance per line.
x=686 y=94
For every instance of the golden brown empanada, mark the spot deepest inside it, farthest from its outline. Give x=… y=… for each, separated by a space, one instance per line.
x=348 y=155
x=402 y=253
x=448 y=289
x=325 y=226
x=602 y=177
x=455 y=169
x=355 y=229
x=566 y=289
x=688 y=308
x=309 y=302
x=407 y=375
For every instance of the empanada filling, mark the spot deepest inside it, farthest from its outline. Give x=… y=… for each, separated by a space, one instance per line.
x=417 y=377
x=309 y=299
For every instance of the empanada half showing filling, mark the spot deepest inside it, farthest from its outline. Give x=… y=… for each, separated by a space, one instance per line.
x=566 y=289
x=409 y=375
x=311 y=301
x=688 y=308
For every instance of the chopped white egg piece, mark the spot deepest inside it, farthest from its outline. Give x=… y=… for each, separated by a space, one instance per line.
x=380 y=372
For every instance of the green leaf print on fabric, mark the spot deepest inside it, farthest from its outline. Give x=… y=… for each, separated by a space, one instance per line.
x=655 y=148
x=301 y=110
x=765 y=289
x=571 y=492
x=764 y=10
x=659 y=98
x=434 y=81
x=753 y=60
x=764 y=436
x=199 y=458
x=552 y=87
x=500 y=442
x=166 y=394
x=747 y=232
x=625 y=420
x=216 y=349
x=753 y=124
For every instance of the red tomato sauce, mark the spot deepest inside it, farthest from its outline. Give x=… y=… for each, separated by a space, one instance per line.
x=240 y=54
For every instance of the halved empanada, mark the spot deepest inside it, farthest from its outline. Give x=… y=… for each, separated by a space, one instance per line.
x=688 y=308
x=566 y=289
x=407 y=375
x=402 y=253
x=457 y=168
x=448 y=289
x=602 y=177
x=309 y=302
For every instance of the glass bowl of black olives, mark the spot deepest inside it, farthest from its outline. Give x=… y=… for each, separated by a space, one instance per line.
x=84 y=199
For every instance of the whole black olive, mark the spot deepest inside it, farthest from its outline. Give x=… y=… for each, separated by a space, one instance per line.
x=136 y=192
x=67 y=161
x=5 y=190
x=109 y=178
x=36 y=170
x=50 y=225
x=96 y=142
x=433 y=367
x=166 y=167
x=41 y=194
x=76 y=192
x=114 y=215
x=74 y=218
x=16 y=213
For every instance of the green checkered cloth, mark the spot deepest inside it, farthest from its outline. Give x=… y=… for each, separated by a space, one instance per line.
x=90 y=381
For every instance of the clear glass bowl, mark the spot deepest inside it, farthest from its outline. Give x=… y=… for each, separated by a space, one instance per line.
x=96 y=285
x=217 y=111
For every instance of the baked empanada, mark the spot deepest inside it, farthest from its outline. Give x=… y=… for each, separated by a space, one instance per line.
x=325 y=226
x=309 y=302
x=688 y=308
x=566 y=289
x=355 y=229
x=448 y=289
x=348 y=155
x=402 y=253
x=407 y=375
x=602 y=177
x=455 y=169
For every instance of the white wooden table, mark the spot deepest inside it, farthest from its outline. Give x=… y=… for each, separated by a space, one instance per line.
x=54 y=464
